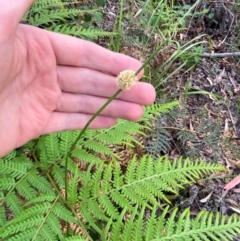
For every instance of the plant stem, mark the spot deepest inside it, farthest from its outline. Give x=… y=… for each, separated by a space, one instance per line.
x=81 y=224
x=80 y=135
x=149 y=59
x=119 y=36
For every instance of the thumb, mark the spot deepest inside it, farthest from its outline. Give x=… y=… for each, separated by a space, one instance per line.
x=11 y=12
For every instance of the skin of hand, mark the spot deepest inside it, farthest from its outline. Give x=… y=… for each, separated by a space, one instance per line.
x=51 y=82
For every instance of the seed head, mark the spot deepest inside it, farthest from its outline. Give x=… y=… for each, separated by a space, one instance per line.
x=126 y=79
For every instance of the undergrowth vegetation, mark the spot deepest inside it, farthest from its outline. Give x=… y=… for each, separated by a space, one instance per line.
x=116 y=192
x=64 y=17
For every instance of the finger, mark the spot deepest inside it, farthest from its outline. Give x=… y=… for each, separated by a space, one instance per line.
x=76 y=52
x=11 y=13
x=90 y=104
x=91 y=82
x=65 y=121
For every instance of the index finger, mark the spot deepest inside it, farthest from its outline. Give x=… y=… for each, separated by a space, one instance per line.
x=76 y=52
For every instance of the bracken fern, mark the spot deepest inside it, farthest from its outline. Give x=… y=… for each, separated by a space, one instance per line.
x=117 y=204
x=111 y=202
x=59 y=16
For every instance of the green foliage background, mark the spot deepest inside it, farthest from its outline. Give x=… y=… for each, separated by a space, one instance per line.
x=105 y=201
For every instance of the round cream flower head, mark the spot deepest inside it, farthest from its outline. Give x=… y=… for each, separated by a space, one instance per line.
x=126 y=79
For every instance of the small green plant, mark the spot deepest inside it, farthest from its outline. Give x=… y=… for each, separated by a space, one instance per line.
x=193 y=57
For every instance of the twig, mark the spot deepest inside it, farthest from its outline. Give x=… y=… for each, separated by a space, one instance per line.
x=219 y=55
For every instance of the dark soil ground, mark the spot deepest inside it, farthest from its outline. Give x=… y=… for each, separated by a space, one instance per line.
x=209 y=96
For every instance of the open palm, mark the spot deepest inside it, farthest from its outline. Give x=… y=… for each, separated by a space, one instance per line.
x=50 y=82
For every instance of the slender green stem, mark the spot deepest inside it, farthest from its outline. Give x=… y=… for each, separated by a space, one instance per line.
x=80 y=135
x=47 y=173
x=149 y=59
x=67 y=205
x=119 y=36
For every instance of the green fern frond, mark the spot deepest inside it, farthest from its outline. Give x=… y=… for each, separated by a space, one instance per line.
x=58 y=174
x=60 y=211
x=99 y=141
x=10 y=156
x=204 y=227
x=7 y=183
x=75 y=238
x=73 y=188
x=39 y=182
x=158 y=142
x=54 y=147
x=20 y=173
x=43 y=198
x=99 y=147
x=146 y=180
x=13 y=203
x=152 y=111
x=46 y=234
x=66 y=140
x=25 y=184
x=53 y=223
x=121 y=133
x=50 y=11
x=43 y=229
x=25 y=189
x=86 y=33
x=51 y=16
x=59 y=16
x=84 y=155
x=15 y=169
x=44 y=3
x=185 y=136
x=39 y=217
x=2 y=215
x=50 y=143
x=26 y=235
x=25 y=220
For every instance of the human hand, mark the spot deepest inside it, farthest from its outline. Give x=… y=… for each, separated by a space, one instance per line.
x=51 y=82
